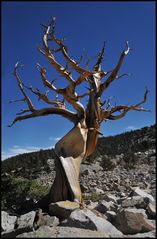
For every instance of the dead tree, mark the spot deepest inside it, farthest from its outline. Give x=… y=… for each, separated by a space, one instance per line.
x=81 y=141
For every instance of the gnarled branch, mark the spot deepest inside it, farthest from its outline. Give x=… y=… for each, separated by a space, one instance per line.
x=97 y=66
x=48 y=54
x=113 y=75
x=46 y=82
x=108 y=114
x=47 y=111
x=64 y=50
x=45 y=98
x=20 y=85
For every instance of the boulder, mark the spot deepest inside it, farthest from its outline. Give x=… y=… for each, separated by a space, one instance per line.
x=151 y=234
x=91 y=205
x=110 y=215
x=139 y=192
x=110 y=197
x=85 y=218
x=137 y=201
x=62 y=232
x=104 y=206
x=8 y=222
x=25 y=222
x=62 y=209
x=132 y=221
x=43 y=219
x=151 y=211
x=99 y=191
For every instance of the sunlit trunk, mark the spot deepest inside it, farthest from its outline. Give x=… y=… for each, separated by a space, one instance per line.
x=70 y=151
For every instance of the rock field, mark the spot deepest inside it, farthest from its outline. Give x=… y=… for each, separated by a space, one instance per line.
x=117 y=203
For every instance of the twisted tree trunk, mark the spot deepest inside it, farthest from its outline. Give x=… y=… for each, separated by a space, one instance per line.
x=70 y=151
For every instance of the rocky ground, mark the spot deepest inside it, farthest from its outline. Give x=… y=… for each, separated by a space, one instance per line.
x=117 y=203
x=94 y=178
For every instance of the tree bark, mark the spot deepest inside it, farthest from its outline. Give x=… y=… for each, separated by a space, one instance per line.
x=70 y=151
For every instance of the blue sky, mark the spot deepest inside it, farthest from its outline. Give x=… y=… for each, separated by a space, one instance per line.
x=85 y=25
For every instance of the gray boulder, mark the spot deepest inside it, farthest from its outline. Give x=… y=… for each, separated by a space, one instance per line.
x=111 y=197
x=104 y=206
x=62 y=232
x=151 y=234
x=139 y=192
x=151 y=211
x=8 y=222
x=137 y=201
x=132 y=221
x=26 y=221
x=91 y=205
x=43 y=219
x=62 y=209
x=23 y=223
x=87 y=219
x=110 y=215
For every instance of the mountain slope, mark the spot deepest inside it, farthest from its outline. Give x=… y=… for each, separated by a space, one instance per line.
x=134 y=141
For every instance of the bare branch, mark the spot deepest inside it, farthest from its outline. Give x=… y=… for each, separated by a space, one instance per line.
x=23 y=111
x=13 y=101
x=118 y=77
x=83 y=77
x=144 y=99
x=47 y=52
x=113 y=75
x=46 y=111
x=46 y=82
x=45 y=98
x=124 y=109
x=79 y=61
x=29 y=103
x=97 y=66
x=64 y=50
x=68 y=92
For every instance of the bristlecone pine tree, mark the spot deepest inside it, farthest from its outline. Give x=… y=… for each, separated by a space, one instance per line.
x=81 y=141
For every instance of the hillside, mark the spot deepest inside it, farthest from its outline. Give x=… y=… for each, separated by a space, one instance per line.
x=133 y=141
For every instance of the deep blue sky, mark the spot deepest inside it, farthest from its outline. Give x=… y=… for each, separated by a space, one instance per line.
x=85 y=25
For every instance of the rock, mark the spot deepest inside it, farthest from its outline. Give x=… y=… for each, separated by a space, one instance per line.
x=137 y=201
x=85 y=218
x=151 y=211
x=84 y=169
x=96 y=167
x=62 y=232
x=25 y=222
x=132 y=221
x=92 y=205
x=104 y=206
x=110 y=215
x=45 y=219
x=99 y=191
x=8 y=222
x=122 y=194
x=110 y=197
x=62 y=209
x=151 y=234
x=67 y=232
x=90 y=169
x=138 y=192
